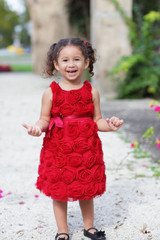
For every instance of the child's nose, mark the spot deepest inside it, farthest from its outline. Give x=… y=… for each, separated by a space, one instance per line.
x=71 y=63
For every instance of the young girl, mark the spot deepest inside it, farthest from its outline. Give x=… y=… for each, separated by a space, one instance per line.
x=71 y=161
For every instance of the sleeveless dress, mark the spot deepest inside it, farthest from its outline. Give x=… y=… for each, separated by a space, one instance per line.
x=71 y=161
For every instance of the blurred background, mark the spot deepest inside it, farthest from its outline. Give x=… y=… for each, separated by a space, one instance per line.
x=126 y=34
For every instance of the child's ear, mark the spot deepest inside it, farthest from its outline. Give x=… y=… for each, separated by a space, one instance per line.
x=87 y=63
x=56 y=65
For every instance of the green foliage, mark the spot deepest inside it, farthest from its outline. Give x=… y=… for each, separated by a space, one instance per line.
x=24 y=35
x=139 y=153
x=144 y=6
x=149 y=133
x=148 y=136
x=140 y=175
x=22 y=68
x=138 y=75
x=8 y=21
x=79 y=16
x=156 y=171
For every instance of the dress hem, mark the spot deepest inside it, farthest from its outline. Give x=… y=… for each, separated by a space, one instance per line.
x=69 y=199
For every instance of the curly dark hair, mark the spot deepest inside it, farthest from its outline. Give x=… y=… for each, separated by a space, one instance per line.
x=53 y=53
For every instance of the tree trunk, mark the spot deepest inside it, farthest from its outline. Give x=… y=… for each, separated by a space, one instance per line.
x=49 y=24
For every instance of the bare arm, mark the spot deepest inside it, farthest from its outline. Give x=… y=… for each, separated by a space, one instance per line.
x=107 y=125
x=43 y=122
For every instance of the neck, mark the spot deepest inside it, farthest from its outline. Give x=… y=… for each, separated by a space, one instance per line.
x=69 y=85
x=72 y=83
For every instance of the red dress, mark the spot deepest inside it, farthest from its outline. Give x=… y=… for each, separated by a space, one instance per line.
x=71 y=160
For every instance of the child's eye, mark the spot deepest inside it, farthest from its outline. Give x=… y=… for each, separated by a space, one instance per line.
x=64 y=60
x=77 y=59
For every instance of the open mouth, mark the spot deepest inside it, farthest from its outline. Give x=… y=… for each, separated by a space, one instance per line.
x=72 y=71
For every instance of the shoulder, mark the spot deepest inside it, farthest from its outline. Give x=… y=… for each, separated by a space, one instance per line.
x=47 y=95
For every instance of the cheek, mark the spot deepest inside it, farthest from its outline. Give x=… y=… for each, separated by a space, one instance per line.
x=61 y=67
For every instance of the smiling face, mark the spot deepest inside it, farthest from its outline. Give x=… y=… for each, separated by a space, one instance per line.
x=71 y=63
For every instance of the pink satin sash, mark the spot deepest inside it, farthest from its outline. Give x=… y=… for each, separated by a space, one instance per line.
x=58 y=121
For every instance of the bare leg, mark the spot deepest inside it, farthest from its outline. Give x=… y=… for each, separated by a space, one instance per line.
x=60 y=212
x=87 y=209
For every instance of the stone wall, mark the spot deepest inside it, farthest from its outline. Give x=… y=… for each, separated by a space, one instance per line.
x=109 y=35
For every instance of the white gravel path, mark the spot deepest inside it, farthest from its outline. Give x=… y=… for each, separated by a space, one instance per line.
x=129 y=207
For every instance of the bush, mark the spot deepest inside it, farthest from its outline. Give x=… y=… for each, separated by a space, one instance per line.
x=138 y=75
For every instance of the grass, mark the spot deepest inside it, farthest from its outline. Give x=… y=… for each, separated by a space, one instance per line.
x=18 y=63
x=156 y=171
x=140 y=176
x=22 y=68
x=139 y=153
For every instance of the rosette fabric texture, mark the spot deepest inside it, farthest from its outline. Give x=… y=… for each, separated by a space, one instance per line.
x=71 y=161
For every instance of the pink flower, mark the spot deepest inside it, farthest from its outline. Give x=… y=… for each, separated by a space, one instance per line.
x=9 y=193
x=157 y=109
x=158 y=145
x=36 y=196
x=151 y=106
x=134 y=144
x=1 y=196
x=1 y=190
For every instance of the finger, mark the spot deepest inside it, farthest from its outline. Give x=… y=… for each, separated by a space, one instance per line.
x=122 y=121
x=111 y=126
x=116 y=121
x=113 y=118
x=108 y=120
x=34 y=130
x=40 y=132
x=30 y=128
x=37 y=132
x=25 y=125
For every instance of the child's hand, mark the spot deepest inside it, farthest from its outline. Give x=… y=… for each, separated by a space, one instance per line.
x=33 y=130
x=114 y=123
